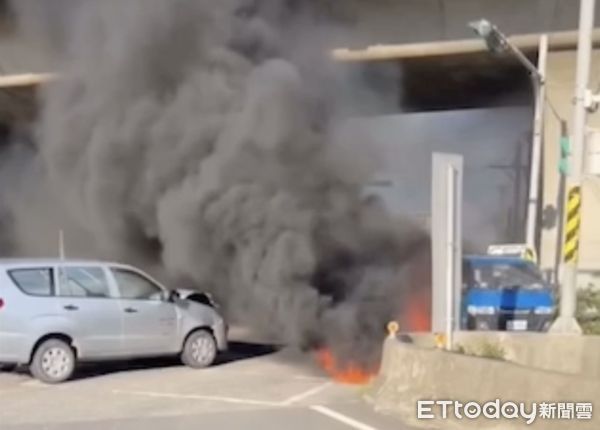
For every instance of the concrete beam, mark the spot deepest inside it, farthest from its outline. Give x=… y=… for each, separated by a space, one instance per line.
x=527 y=42
x=25 y=80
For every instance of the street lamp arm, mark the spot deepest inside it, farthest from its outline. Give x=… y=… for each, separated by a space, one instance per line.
x=533 y=70
x=497 y=42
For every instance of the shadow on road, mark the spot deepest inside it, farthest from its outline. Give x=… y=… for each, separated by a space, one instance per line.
x=237 y=351
x=244 y=351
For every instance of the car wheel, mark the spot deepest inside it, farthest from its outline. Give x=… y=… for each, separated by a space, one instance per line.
x=53 y=362
x=199 y=350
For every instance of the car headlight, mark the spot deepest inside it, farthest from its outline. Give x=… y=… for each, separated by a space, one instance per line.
x=481 y=310
x=543 y=310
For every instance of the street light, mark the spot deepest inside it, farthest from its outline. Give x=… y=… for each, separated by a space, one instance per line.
x=495 y=40
x=498 y=43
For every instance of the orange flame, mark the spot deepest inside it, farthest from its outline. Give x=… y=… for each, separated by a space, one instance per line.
x=415 y=312
x=351 y=373
x=418 y=313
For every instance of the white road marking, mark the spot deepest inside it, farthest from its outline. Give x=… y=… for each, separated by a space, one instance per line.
x=351 y=422
x=199 y=397
x=263 y=373
x=305 y=394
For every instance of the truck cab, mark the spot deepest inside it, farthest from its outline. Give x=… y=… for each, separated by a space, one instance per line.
x=505 y=293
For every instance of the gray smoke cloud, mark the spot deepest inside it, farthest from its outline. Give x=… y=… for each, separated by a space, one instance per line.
x=195 y=138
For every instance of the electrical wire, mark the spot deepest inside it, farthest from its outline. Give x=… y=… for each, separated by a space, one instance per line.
x=553 y=109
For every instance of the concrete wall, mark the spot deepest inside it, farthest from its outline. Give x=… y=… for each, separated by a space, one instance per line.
x=410 y=373
x=406 y=21
x=19 y=55
x=561 y=87
x=361 y=22
x=577 y=355
x=401 y=146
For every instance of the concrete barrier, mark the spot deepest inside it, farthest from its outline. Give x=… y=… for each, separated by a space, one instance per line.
x=561 y=353
x=410 y=373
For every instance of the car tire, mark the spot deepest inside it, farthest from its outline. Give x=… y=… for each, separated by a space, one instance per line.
x=199 y=349
x=53 y=362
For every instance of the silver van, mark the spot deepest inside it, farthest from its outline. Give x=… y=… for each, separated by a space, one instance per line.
x=56 y=313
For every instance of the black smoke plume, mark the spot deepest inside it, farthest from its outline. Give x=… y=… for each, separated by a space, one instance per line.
x=196 y=138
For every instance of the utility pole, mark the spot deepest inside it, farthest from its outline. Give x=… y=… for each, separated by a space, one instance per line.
x=560 y=200
x=566 y=322
x=533 y=202
x=497 y=43
x=61 y=244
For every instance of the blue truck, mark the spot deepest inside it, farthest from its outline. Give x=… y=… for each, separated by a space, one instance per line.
x=505 y=293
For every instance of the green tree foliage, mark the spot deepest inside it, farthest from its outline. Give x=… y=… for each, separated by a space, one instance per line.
x=588 y=310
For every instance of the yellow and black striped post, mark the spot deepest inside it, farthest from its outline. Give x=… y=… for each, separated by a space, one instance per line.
x=573 y=224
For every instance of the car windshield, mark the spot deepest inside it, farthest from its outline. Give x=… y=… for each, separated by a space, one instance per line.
x=503 y=275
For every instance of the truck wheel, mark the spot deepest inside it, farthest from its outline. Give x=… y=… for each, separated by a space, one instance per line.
x=199 y=349
x=53 y=362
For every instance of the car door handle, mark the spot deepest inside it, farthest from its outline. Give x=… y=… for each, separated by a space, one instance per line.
x=130 y=310
x=71 y=307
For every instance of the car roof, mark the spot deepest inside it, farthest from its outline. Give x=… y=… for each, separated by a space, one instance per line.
x=488 y=260
x=30 y=262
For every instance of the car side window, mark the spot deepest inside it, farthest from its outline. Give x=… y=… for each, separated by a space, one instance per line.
x=89 y=282
x=34 y=281
x=132 y=285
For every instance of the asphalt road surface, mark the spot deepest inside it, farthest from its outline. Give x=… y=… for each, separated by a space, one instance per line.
x=253 y=387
